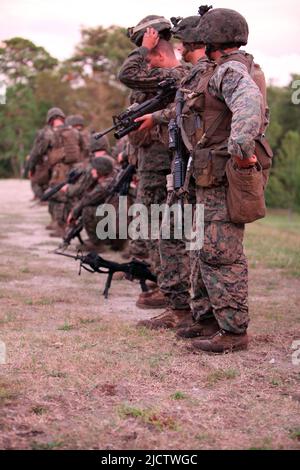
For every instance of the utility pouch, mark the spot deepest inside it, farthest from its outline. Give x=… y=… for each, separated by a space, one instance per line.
x=264 y=155
x=209 y=167
x=245 y=193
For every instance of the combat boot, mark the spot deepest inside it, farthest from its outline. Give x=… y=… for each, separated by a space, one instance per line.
x=204 y=328
x=221 y=342
x=168 y=319
x=153 y=299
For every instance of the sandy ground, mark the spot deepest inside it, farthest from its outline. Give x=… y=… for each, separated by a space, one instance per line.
x=79 y=375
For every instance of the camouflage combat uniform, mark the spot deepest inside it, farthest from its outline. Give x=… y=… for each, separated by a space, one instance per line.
x=153 y=166
x=67 y=149
x=219 y=273
x=38 y=161
x=94 y=194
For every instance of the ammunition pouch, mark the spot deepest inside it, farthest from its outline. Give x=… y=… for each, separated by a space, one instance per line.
x=209 y=166
x=264 y=155
x=245 y=193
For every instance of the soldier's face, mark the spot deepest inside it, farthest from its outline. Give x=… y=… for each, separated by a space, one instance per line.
x=94 y=173
x=155 y=60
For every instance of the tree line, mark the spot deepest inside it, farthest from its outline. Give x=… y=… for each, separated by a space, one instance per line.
x=86 y=83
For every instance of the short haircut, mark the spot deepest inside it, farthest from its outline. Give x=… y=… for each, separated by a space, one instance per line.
x=163 y=47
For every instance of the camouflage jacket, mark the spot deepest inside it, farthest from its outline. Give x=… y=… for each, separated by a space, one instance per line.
x=97 y=194
x=42 y=142
x=232 y=84
x=136 y=74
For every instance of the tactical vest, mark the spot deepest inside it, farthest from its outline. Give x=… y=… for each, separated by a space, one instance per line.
x=210 y=137
x=66 y=146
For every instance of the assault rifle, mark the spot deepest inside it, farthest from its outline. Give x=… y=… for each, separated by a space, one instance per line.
x=94 y=263
x=73 y=176
x=124 y=123
x=182 y=156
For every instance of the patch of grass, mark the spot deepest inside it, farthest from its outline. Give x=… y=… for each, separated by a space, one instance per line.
x=204 y=437
x=159 y=420
x=178 y=396
x=46 y=445
x=57 y=374
x=295 y=434
x=66 y=327
x=87 y=321
x=158 y=359
x=25 y=270
x=276 y=381
x=6 y=393
x=275 y=242
x=40 y=301
x=39 y=410
x=8 y=318
x=221 y=374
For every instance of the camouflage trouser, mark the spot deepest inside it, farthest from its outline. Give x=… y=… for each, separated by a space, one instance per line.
x=219 y=272
x=38 y=189
x=138 y=248
x=90 y=221
x=174 y=280
x=59 y=212
x=152 y=190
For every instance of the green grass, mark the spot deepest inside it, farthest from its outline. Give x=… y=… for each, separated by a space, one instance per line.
x=295 y=434
x=65 y=327
x=46 y=446
x=158 y=420
x=275 y=242
x=178 y=396
x=221 y=374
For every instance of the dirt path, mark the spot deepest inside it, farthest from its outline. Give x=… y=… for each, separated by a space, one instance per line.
x=79 y=375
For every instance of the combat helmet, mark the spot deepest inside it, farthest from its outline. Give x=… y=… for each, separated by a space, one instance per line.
x=99 y=144
x=223 y=26
x=161 y=24
x=75 y=120
x=103 y=165
x=53 y=113
x=186 y=29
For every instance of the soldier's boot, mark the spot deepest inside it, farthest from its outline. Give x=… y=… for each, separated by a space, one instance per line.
x=204 y=328
x=221 y=342
x=169 y=319
x=152 y=299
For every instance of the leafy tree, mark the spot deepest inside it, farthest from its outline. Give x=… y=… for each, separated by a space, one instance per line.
x=21 y=60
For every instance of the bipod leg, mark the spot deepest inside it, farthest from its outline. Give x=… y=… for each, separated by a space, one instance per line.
x=108 y=284
x=143 y=285
x=80 y=239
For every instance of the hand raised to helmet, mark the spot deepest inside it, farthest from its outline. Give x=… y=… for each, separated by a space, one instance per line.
x=151 y=38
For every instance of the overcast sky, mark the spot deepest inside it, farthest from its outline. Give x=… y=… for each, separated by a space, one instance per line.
x=55 y=24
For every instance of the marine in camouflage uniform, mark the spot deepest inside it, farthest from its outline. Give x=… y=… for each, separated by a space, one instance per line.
x=175 y=259
x=102 y=173
x=38 y=163
x=228 y=99
x=154 y=157
x=77 y=121
x=65 y=151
